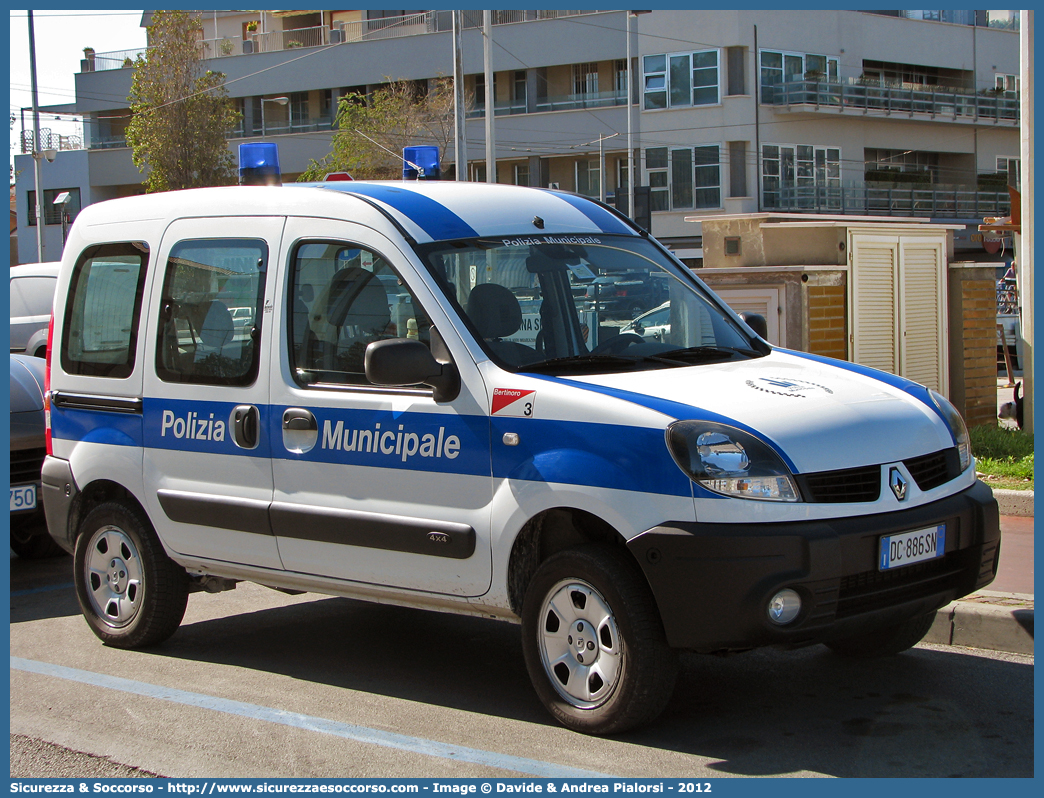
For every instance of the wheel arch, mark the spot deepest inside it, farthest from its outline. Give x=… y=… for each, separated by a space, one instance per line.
x=547 y=533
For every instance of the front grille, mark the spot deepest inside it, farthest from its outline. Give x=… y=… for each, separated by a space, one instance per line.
x=874 y=590
x=932 y=470
x=26 y=465
x=848 y=485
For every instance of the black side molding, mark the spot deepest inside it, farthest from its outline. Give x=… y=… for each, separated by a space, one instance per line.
x=82 y=401
x=373 y=531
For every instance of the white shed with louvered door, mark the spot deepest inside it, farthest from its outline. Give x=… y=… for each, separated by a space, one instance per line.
x=760 y=300
x=897 y=304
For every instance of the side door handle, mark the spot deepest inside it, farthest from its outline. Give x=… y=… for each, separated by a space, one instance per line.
x=299 y=420
x=245 y=424
x=300 y=430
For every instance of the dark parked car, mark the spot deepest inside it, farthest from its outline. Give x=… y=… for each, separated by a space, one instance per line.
x=29 y=537
x=625 y=295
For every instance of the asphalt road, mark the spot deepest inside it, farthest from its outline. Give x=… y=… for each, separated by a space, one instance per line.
x=257 y=683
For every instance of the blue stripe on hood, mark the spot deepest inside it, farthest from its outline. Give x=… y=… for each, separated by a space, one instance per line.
x=914 y=389
x=669 y=408
x=434 y=218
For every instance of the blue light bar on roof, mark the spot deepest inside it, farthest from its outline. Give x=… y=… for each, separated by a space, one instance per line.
x=426 y=157
x=259 y=164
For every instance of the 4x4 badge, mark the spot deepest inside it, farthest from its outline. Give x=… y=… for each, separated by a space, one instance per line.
x=897 y=484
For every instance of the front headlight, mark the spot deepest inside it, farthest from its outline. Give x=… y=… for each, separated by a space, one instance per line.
x=957 y=427
x=730 y=461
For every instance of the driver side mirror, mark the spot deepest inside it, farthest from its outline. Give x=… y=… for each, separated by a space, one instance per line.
x=757 y=323
x=399 y=362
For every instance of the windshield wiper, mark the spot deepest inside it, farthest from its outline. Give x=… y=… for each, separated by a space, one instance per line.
x=581 y=360
x=699 y=353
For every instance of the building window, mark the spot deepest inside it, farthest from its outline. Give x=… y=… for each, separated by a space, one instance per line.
x=522 y=174
x=519 y=87
x=53 y=213
x=879 y=163
x=1004 y=164
x=585 y=79
x=620 y=70
x=680 y=80
x=801 y=176
x=783 y=67
x=298 y=109
x=683 y=179
x=1007 y=82
x=587 y=179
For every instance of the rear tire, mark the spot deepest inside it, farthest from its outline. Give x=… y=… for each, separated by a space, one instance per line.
x=594 y=643
x=885 y=642
x=130 y=592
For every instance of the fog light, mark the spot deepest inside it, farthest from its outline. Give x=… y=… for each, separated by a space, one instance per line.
x=784 y=606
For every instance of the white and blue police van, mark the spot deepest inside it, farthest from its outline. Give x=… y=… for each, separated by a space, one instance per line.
x=405 y=392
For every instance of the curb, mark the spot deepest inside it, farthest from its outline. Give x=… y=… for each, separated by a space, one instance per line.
x=989 y=620
x=1014 y=502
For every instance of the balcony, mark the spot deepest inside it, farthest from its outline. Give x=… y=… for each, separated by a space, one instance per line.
x=324 y=35
x=862 y=97
x=573 y=102
x=885 y=199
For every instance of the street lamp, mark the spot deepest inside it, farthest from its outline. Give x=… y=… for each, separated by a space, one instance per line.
x=277 y=101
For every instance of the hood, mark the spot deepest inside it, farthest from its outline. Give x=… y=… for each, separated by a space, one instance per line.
x=822 y=417
x=27 y=381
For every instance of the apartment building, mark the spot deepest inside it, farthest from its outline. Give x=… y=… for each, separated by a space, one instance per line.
x=894 y=113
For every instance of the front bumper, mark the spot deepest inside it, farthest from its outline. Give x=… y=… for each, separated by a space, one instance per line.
x=712 y=582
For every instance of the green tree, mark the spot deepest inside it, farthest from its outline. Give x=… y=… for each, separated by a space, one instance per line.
x=181 y=115
x=373 y=129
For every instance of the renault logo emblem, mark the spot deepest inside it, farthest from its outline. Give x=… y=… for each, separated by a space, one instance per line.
x=897 y=484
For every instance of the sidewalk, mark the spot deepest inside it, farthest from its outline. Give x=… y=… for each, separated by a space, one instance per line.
x=999 y=618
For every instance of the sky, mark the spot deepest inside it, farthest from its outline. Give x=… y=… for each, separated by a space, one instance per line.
x=60 y=39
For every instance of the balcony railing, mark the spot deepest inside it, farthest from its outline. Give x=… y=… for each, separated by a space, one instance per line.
x=322 y=35
x=936 y=101
x=882 y=199
x=572 y=102
x=50 y=141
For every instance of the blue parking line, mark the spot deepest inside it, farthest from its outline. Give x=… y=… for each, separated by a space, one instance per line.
x=347 y=731
x=44 y=589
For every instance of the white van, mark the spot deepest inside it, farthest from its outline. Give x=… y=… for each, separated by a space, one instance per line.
x=427 y=410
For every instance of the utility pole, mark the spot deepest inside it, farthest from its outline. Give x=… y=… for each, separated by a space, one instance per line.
x=460 y=152
x=487 y=51
x=37 y=154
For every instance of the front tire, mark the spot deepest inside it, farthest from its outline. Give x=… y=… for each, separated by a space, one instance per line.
x=885 y=642
x=130 y=592
x=594 y=643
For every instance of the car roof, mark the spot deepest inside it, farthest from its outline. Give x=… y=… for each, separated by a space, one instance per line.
x=36 y=270
x=426 y=210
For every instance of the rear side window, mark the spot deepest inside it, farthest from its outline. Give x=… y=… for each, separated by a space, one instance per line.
x=210 y=312
x=103 y=310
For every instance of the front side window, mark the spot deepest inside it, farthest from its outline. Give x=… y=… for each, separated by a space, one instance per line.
x=343 y=298
x=211 y=311
x=580 y=303
x=100 y=332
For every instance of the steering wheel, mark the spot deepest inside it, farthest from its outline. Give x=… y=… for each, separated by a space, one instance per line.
x=617 y=343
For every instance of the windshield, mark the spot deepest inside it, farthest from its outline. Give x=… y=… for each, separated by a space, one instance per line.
x=583 y=303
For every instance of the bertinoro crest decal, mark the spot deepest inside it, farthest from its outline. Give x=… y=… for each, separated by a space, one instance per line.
x=786 y=386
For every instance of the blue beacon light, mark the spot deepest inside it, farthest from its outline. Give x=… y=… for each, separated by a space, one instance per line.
x=426 y=157
x=259 y=164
